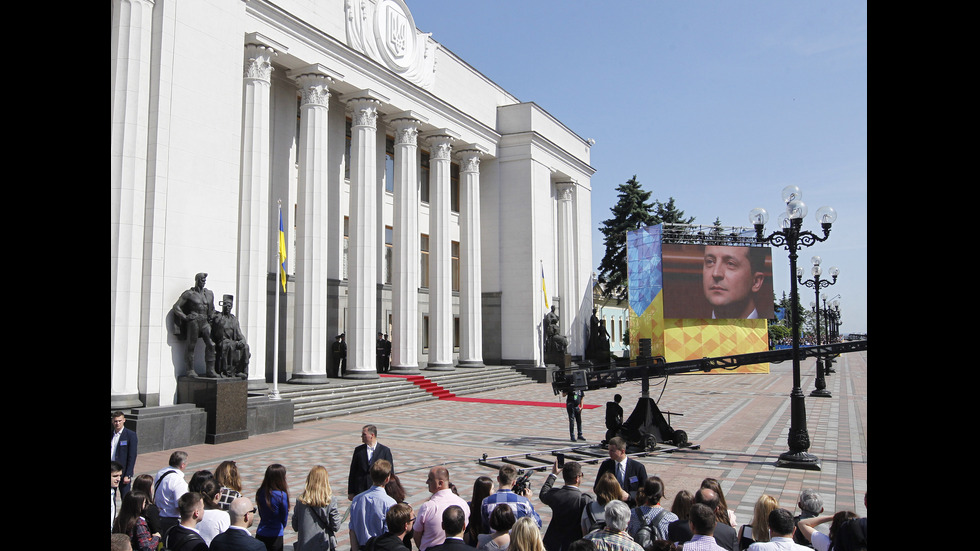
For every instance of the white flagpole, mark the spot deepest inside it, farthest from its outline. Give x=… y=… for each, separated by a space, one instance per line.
x=274 y=395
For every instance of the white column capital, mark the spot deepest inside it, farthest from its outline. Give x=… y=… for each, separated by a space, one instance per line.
x=441 y=143
x=364 y=105
x=566 y=190
x=406 y=125
x=259 y=51
x=469 y=156
x=314 y=83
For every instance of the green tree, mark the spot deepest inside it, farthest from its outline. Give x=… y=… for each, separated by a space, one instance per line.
x=632 y=211
x=668 y=213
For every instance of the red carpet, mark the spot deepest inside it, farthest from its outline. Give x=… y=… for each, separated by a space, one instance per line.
x=443 y=394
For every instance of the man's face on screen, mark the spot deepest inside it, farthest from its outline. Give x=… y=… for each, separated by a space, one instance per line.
x=729 y=282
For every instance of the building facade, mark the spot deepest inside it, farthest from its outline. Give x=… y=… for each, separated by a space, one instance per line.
x=417 y=197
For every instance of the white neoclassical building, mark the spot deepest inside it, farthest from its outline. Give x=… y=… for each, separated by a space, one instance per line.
x=418 y=198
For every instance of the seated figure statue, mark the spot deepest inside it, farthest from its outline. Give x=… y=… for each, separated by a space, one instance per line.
x=229 y=341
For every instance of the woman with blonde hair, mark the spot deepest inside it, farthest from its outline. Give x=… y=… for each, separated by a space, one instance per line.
x=316 y=518
x=758 y=530
x=226 y=475
x=525 y=536
x=607 y=489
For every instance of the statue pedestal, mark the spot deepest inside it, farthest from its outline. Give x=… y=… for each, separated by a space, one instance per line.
x=225 y=402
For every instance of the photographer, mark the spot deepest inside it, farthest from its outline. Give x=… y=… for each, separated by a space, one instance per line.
x=520 y=503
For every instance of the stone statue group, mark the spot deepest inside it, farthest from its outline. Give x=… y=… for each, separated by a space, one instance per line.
x=556 y=344
x=226 y=353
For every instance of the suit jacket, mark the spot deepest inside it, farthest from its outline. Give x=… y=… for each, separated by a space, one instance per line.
x=566 y=505
x=451 y=544
x=234 y=539
x=636 y=475
x=725 y=536
x=126 y=450
x=359 y=478
x=179 y=538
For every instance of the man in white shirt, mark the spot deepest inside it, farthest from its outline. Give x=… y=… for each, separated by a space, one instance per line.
x=370 y=450
x=781 y=530
x=630 y=473
x=115 y=476
x=169 y=485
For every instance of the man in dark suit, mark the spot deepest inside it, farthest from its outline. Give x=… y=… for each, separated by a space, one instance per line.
x=566 y=505
x=237 y=537
x=453 y=522
x=364 y=456
x=123 y=446
x=630 y=473
x=726 y=536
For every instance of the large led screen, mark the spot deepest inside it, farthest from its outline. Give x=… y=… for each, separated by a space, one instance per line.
x=717 y=282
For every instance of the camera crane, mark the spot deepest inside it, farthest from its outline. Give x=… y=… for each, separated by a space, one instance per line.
x=646 y=426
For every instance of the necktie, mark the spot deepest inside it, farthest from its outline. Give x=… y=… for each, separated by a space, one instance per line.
x=621 y=475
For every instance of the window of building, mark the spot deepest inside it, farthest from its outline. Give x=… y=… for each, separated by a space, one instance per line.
x=456 y=333
x=455 y=254
x=346 y=243
x=389 y=233
x=390 y=164
x=454 y=187
x=347 y=150
x=425 y=333
x=424 y=268
x=424 y=178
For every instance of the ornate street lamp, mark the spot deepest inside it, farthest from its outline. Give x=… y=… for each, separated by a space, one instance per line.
x=791 y=237
x=816 y=284
x=832 y=317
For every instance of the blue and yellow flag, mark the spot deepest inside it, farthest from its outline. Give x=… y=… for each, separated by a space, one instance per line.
x=282 y=253
x=543 y=289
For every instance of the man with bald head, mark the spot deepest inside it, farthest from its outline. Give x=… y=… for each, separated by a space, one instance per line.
x=237 y=536
x=428 y=522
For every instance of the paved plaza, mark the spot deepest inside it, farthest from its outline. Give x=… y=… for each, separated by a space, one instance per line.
x=740 y=422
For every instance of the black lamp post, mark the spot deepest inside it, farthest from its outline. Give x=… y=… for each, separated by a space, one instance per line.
x=832 y=315
x=791 y=236
x=816 y=284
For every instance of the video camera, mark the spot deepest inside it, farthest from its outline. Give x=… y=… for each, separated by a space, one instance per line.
x=523 y=482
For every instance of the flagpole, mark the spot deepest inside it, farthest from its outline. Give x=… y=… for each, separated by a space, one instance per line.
x=274 y=395
x=540 y=322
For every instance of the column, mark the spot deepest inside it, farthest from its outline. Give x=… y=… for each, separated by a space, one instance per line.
x=440 y=252
x=130 y=63
x=362 y=263
x=310 y=339
x=255 y=260
x=470 y=281
x=567 y=289
x=405 y=264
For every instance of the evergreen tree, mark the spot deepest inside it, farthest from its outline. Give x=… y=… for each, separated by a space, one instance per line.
x=668 y=213
x=632 y=211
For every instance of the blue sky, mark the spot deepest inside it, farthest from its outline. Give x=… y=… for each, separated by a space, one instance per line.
x=716 y=103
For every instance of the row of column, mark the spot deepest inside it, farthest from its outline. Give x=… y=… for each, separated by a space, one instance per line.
x=310 y=332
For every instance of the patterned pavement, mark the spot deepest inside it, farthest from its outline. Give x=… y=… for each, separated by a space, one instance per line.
x=740 y=422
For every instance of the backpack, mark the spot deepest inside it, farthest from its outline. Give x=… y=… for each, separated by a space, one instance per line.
x=596 y=523
x=648 y=533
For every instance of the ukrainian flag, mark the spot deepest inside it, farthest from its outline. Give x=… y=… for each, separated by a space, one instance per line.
x=543 y=289
x=282 y=253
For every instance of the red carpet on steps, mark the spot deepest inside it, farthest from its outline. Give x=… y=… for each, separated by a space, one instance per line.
x=443 y=394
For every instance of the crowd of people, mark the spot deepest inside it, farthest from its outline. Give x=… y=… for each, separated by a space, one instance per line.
x=627 y=513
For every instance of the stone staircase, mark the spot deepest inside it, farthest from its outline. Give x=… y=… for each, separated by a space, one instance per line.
x=312 y=402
